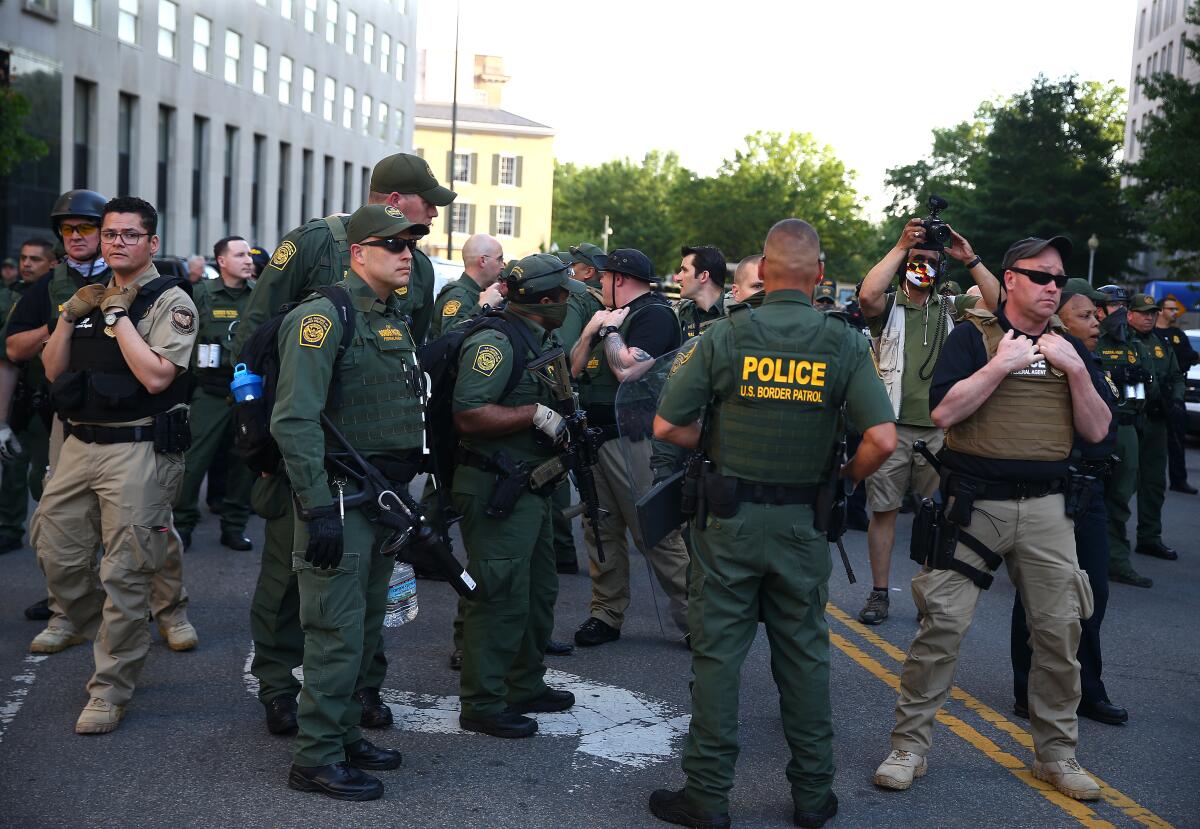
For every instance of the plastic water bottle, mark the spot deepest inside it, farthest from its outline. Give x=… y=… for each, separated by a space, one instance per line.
x=402 y=596
x=246 y=385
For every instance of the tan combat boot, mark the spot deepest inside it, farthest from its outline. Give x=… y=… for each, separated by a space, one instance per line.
x=899 y=769
x=99 y=717
x=53 y=640
x=1068 y=777
x=180 y=637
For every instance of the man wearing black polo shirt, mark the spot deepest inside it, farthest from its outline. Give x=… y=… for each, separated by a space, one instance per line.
x=1012 y=392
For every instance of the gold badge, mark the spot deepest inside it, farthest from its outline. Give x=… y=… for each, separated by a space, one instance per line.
x=451 y=308
x=391 y=333
x=282 y=254
x=108 y=330
x=486 y=359
x=402 y=290
x=313 y=329
x=681 y=358
x=393 y=212
x=1132 y=359
x=1158 y=352
x=594 y=362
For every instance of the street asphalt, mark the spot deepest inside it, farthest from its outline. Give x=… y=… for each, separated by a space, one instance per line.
x=193 y=750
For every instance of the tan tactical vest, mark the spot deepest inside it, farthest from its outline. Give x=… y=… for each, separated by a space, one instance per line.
x=1028 y=417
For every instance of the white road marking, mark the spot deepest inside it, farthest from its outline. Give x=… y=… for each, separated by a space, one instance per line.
x=16 y=697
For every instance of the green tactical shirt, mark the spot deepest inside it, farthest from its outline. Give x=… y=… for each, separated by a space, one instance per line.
x=308 y=343
x=582 y=305
x=1117 y=352
x=693 y=321
x=754 y=301
x=310 y=257
x=219 y=310
x=484 y=366
x=1168 y=385
x=8 y=298
x=920 y=350
x=456 y=302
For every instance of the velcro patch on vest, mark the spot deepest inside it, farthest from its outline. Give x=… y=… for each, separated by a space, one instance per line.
x=487 y=357
x=451 y=308
x=282 y=254
x=225 y=313
x=681 y=358
x=313 y=330
x=183 y=320
x=1039 y=369
x=781 y=377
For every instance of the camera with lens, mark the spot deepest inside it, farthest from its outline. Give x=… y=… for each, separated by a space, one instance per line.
x=936 y=230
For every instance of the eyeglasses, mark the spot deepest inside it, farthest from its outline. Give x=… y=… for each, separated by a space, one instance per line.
x=83 y=230
x=392 y=245
x=1042 y=278
x=129 y=237
x=499 y=259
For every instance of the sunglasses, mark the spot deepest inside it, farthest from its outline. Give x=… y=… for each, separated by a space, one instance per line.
x=84 y=230
x=392 y=245
x=1043 y=278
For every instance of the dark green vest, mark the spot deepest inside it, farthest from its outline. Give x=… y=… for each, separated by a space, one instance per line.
x=598 y=385
x=1116 y=356
x=219 y=312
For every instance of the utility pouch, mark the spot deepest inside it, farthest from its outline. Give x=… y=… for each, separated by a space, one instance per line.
x=943 y=550
x=22 y=407
x=926 y=528
x=68 y=392
x=960 y=501
x=172 y=434
x=1079 y=494
x=689 y=494
x=720 y=494
x=825 y=506
x=512 y=481
x=252 y=441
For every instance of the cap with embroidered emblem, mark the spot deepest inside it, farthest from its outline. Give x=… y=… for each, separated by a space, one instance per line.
x=404 y=173
x=381 y=221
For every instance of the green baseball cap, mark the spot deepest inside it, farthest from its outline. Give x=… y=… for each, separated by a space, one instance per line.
x=588 y=254
x=825 y=293
x=404 y=173
x=9 y=262
x=379 y=220
x=1144 y=302
x=1078 y=286
x=535 y=275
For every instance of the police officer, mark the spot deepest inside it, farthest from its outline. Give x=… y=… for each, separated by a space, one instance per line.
x=506 y=527
x=776 y=377
x=342 y=576
x=1166 y=329
x=824 y=298
x=121 y=387
x=1163 y=394
x=476 y=291
x=220 y=303
x=318 y=253
x=615 y=346
x=747 y=282
x=701 y=276
x=587 y=263
x=1077 y=311
x=1012 y=390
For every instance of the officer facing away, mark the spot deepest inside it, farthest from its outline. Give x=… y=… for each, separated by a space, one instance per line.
x=774 y=380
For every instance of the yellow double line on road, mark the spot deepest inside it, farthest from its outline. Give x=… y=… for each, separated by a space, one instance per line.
x=1015 y=766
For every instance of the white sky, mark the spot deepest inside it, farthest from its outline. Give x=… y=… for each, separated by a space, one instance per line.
x=870 y=77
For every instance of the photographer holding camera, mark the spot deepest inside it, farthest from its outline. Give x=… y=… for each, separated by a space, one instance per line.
x=909 y=324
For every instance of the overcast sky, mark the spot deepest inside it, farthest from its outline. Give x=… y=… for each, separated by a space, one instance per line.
x=869 y=77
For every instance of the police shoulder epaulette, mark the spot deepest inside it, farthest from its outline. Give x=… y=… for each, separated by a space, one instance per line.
x=736 y=308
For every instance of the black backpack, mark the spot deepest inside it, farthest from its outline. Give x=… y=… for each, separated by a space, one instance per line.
x=252 y=440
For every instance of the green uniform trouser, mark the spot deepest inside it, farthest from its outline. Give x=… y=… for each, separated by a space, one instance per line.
x=1151 y=480
x=1117 y=492
x=341 y=613
x=505 y=630
x=212 y=424
x=564 y=539
x=768 y=563
x=275 y=607
x=22 y=477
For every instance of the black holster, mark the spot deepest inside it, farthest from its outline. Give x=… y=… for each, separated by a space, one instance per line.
x=512 y=481
x=1078 y=496
x=720 y=494
x=689 y=494
x=171 y=432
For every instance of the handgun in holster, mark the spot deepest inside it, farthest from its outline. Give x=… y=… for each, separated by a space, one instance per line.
x=512 y=481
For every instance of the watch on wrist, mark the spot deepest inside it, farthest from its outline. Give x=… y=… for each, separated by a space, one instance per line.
x=974 y=261
x=111 y=317
x=605 y=330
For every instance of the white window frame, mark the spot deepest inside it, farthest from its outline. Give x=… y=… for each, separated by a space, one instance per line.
x=331 y=21
x=512 y=220
x=202 y=45
x=368 y=43
x=286 y=10
x=310 y=15
x=398 y=56
x=460 y=211
x=329 y=98
x=233 y=57
x=308 y=89
x=462 y=175
x=128 y=16
x=384 y=114
x=260 y=63
x=351 y=31
x=400 y=127
x=366 y=108
x=349 y=99
x=287 y=72
x=171 y=33
x=86 y=13
x=500 y=173
x=385 y=51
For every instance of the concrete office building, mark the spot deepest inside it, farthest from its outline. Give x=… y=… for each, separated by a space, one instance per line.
x=1159 y=31
x=231 y=116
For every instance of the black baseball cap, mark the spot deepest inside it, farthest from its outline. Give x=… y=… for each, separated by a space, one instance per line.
x=629 y=262
x=1033 y=246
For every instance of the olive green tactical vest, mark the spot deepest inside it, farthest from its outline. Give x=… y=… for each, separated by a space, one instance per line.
x=1120 y=356
x=217 y=312
x=1028 y=417
x=780 y=423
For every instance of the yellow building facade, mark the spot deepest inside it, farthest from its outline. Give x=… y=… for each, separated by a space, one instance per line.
x=502 y=170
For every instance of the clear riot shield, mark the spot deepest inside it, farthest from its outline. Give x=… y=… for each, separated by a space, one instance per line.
x=654 y=468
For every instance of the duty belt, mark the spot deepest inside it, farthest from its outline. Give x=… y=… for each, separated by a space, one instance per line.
x=1127 y=418
x=1014 y=490
x=762 y=493
x=108 y=434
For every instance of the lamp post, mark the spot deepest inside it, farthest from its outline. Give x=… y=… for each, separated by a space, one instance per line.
x=1093 y=244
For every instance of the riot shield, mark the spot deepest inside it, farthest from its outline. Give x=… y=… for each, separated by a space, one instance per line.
x=654 y=468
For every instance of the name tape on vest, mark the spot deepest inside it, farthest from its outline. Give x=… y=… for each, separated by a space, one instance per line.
x=782 y=377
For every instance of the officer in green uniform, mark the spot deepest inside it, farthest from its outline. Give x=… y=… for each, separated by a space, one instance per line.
x=587 y=263
x=1123 y=358
x=701 y=276
x=476 y=291
x=825 y=298
x=318 y=253
x=776 y=378
x=220 y=303
x=507 y=526
x=341 y=574
x=1162 y=394
x=747 y=284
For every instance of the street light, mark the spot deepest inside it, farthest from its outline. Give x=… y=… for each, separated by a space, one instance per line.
x=1093 y=243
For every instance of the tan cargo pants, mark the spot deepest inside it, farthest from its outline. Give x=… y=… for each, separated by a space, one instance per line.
x=615 y=484
x=117 y=496
x=1037 y=542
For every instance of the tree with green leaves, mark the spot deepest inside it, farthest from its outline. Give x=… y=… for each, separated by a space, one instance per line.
x=16 y=143
x=1166 y=178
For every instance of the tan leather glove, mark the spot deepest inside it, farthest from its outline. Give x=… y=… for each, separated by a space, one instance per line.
x=82 y=303
x=116 y=297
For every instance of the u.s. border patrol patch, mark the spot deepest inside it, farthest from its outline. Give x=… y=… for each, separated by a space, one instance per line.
x=313 y=330
x=393 y=212
x=451 y=308
x=183 y=320
x=486 y=359
x=282 y=254
x=681 y=358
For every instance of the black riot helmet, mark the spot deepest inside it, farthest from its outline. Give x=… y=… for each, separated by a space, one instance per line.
x=1115 y=295
x=83 y=204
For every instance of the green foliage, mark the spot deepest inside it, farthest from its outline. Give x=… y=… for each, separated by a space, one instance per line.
x=16 y=144
x=1166 y=187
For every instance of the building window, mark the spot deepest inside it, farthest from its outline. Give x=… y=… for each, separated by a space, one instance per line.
x=233 y=55
x=199 y=179
x=400 y=131
x=1141 y=28
x=258 y=82
x=347 y=187
x=126 y=105
x=166 y=151
x=506 y=172
x=351 y=32
x=331 y=18
x=327 y=187
x=365 y=182
x=257 y=170
x=85 y=108
x=262 y=3
x=228 y=206
x=400 y=51
x=309 y=89
x=1137 y=83
x=285 y=79
x=285 y=9
x=168 y=27
x=1170 y=54
x=283 y=193
x=85 y=13
x=464 y=168
x=127 y=20
x=460 y=217
x=310 y=15
x=348 y=107
x=385 y=51
x=330 y=96
x=306 y=172
x=506 y=223
x=368 y=43
x=383 y=121
x=201 y=41
x=365 y=113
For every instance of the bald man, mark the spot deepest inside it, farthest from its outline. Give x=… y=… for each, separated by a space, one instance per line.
x=195 y=269
x=747 y=281
x=476 y=290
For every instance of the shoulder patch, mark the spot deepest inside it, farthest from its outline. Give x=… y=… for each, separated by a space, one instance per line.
x=681 y=358
x=487 y=358
x=282 y=254
x=313 y=330
x=183 y=319
x=451 y=308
